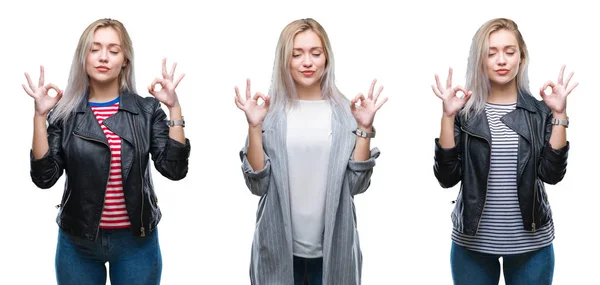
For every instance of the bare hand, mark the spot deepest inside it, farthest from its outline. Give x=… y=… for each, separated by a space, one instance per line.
x=364 y=113
x=255 y=113
x=166 y=94
x=43 y=102
x=557 y=100
x=451 y=103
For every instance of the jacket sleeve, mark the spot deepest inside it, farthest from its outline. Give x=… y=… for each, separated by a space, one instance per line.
x=553 y=162
x=46 y=170
x=358 y=173
x=257 y=181
x=447 y=161
x=170 y=156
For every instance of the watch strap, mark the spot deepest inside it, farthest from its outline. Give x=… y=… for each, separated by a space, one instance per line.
x=364 y=134
x=564 y=123
x=172 y=123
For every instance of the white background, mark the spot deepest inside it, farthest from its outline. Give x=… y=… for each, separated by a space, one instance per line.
x=403 y=219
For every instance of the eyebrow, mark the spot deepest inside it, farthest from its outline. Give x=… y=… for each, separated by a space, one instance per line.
x=509 y=46
x=110 y=45
x=313 y=48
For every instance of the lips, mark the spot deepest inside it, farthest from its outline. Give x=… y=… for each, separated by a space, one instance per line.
x=502 y=71
x=308 y=73
x=102 y=68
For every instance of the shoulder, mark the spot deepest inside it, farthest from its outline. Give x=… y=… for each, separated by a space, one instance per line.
x=343 y=113
x=274 y=116
x=539 y=105
x=146 y=104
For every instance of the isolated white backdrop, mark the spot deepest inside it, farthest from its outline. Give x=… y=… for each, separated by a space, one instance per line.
x=403 y=219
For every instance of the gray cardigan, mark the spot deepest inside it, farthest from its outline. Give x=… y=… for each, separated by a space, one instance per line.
x=272 y=255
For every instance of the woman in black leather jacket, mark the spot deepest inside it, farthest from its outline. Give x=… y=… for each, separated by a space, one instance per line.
x=101 y=134
x=502 y=144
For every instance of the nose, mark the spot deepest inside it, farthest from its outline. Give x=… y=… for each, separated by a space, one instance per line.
x=103 y=55
x=501 y=59
x=307 y=61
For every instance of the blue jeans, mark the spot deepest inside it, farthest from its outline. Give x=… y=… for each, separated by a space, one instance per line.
x=471 y=267
x=308 y=271
x=132 y=259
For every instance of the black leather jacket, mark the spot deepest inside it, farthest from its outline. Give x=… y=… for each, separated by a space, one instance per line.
x=79 y=147
x=469 y=162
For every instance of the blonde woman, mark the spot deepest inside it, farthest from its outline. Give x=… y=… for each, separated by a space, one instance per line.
x=307 y=155
x=101 y=134
x=502 y=144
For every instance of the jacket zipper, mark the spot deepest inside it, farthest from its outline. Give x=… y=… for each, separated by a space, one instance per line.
x=534 y=175
x=142 y=229
x=486 y=179
x=105 y=185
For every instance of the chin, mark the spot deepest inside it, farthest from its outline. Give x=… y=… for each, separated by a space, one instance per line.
x=502 y=81
x=307 y=83
x=102 y=79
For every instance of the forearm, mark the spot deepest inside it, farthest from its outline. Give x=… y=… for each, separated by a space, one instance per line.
x=255 y=154
x=176 y=132
x=447 y=132
x=558 y=138
x=40 y=136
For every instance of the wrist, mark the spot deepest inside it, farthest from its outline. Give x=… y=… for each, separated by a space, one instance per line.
x=175 y=112
x=560 y=115
x=175 y=106
x=37 y=116
x=255 y=128
x=448 y=116
x=368 y=129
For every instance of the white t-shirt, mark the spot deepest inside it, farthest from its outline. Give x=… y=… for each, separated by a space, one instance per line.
x=308 y=145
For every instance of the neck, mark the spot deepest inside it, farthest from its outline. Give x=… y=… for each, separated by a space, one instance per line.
x=503 y=94
x=100 y=92
x=312 y=92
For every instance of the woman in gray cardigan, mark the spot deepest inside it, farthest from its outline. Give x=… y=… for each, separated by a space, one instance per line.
x=307 y=155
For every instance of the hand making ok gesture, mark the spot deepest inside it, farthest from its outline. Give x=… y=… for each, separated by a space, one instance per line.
x=451 y=103
x=43 y=102
x=364 y=113
x=166 y=94
x=255 y=113
x=557 y=100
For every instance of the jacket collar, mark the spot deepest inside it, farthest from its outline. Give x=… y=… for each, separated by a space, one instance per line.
x=526 y=101
x=478 y=124
x=126 y=103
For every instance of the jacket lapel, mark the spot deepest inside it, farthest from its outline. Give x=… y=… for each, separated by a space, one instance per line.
x=120 y=123
x=274 y=142
x=478 y=126
x=519 y=121
x=87 y=125
x=342 y=147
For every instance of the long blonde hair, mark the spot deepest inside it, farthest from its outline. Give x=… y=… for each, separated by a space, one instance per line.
x=477 y=79
x=283 y=91
x=78 y=84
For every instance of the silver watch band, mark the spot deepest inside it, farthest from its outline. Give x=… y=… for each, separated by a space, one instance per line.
x=564 y=123
x=364 y=134
x=172 y=123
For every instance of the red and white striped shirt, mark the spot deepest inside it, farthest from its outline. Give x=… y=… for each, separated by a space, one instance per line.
x=114 y=214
